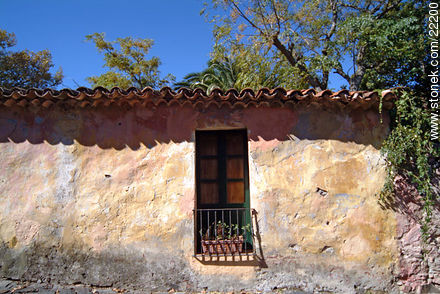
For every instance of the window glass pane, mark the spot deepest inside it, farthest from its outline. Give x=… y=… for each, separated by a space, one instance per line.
x=235 y=192
x=207 y=144
x=234 y=144
x=234 y=168
x=209 y=193
x=208 y=169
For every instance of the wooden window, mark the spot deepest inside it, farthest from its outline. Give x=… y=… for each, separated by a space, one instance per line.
x=222 y=218
x=222 y=169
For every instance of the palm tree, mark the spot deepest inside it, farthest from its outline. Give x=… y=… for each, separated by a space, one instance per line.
x=246 y=71
x=221 y=75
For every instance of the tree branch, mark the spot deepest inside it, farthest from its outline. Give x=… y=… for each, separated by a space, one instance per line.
x=387 y=8
x=295 y=62
x=247 y=19
x=263 y=18
x=341 y=72
x=333 y=4
x=276 y=16
x=354 y=7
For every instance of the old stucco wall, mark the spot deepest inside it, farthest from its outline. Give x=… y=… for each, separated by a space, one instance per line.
x=105 y=197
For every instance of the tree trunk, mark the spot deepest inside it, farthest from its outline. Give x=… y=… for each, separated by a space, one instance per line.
x=356 y=78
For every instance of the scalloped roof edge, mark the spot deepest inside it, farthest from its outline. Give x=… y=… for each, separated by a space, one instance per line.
x=133 y=97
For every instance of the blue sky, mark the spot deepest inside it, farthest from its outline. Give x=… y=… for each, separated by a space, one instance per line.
x=182 y=37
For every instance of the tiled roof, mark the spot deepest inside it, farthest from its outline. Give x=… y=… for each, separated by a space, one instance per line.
x=133 y=97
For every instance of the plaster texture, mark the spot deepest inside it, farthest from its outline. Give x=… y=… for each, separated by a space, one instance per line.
x=106 y=196
x=419 y=260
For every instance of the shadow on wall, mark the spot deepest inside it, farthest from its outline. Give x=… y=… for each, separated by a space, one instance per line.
x=407 y=200
x=119 y=267
x=119 y=128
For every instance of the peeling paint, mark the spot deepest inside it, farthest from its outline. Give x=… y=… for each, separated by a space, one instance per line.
x=92 y=189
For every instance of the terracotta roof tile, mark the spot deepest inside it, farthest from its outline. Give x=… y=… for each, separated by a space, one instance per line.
x=133 y=97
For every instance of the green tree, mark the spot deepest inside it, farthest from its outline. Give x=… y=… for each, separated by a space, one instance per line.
x=371 y=44
x=126 y=59
x=322 y=37
x=257 y=70
x=245 y=70
x=25 y=69
x=221 y=75
x=394 y=44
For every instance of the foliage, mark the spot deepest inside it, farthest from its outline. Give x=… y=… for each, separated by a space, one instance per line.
x=221 y=230
x=245 y=70
x=25 y=68
x=257 y=71
x=409 y=150
x=371 y=44
x=126 y=59
x=397 y=47
x=319 y=38
x=221 y=75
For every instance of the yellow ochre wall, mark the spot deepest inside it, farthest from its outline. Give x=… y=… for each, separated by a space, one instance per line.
x=106 y=196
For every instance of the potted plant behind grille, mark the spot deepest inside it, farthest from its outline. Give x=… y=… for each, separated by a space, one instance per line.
x=226 y=240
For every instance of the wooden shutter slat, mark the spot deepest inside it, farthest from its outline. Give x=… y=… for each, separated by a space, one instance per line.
x=208 y=144
x=235 y=192
x=234 y=168
x=234 y=144
x=209 y=193
x=208 y=169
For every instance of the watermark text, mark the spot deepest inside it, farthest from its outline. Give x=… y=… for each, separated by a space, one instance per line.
x=433 y=33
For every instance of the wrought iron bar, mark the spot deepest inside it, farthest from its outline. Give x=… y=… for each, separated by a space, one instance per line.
x=224 y=222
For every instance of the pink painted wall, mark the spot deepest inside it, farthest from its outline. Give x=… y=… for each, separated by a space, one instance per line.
x=120 y=128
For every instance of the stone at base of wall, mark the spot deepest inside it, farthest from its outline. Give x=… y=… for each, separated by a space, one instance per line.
x=431 y=289
x=17 y=286
x=129 y=269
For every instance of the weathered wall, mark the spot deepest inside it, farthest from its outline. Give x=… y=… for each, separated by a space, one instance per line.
x=419 y=260
x=105 y=197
